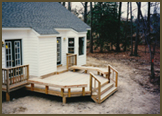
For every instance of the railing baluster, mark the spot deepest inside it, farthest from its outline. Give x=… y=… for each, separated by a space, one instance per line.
x=95 y=85
x=13 y=75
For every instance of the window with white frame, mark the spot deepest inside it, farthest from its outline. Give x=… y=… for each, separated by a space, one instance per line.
x=71 y=45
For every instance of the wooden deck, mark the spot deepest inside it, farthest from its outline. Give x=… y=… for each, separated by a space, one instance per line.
x=71 y=83
x=74 y=81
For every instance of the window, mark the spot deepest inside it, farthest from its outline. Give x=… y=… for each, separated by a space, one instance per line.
x=81 y=45
x=71 y=45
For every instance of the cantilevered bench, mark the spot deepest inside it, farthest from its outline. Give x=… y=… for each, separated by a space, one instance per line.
x=100 y=71
x=59 y=88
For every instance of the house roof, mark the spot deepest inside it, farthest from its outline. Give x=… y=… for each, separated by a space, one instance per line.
x=43 y=17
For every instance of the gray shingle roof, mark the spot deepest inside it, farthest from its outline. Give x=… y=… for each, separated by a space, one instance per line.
x=43 y=17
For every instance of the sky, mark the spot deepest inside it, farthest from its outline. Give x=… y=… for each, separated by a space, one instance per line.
x=144 y=7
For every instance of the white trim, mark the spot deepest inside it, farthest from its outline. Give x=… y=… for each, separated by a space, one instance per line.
x=53 y=35
x=20 y=29
x=66 y=29
x=88 y=28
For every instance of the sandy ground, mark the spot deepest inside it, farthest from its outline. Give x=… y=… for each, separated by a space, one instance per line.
x=131 y=97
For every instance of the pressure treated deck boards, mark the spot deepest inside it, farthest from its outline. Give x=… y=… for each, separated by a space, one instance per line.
x=66 y=79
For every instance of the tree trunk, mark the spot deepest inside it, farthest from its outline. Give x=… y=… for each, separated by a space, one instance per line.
x=91 y=36
x=85 y=12
x=131 y=29
x=125 y=45
x=137 y=30
x=63 y=3
x=69 y=6
x=118 y=34
x=151 y=53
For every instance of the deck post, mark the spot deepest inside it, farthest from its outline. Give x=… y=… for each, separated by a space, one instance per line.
x=69 y=93
x=83 y=91
x=27 y=72
x=32 y=86
x=76 y=59
x=46 y=90
x=109 y=73
x=7 y=87
x=67 y=62
x=99 y=92
x=116 y=84
x=64 y=100
x=90 y=85
x=62 y=92
x=85 y=71
x=7 y=96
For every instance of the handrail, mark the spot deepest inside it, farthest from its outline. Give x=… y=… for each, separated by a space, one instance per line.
x=14 y=75
x=116 y=77
x=71 y=60
x=99 y=86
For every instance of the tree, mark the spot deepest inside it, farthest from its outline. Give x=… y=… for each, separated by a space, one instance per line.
x=91 y=36
x=154 y=35
x=126 y=40
x=85 y=12
x=69 y=6
x=118 y=34
x=131 y=29
x=104 y=24
x=63 y=3
x=137 y=29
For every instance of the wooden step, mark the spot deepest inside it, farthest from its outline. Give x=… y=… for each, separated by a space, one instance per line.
x=108 y=93
x=101 y=79
x=105 y=87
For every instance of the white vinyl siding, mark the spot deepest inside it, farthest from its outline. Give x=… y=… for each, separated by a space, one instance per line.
x=47 y=55
x=29 y=48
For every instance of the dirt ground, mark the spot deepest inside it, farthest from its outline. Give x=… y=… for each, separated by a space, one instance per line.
x=132 y=97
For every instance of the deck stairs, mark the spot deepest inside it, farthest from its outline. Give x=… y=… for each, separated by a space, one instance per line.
x=106 y=90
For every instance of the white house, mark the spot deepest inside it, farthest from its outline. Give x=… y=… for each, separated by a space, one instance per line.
x=40 y=34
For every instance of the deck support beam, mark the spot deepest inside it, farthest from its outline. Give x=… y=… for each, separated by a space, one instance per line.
x=32 y=86
x=69 y=92
x=46 y=90
x=63 y=97
x=7 y=96
x=83 y=91
x=64 y=100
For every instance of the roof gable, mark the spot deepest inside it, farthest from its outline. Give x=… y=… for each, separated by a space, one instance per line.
x=43 y=17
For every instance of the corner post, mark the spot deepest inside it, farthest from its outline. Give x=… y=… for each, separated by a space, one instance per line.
x=7 y=87
x=109 y=73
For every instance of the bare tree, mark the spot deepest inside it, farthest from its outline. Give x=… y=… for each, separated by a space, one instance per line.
x=137 y=29
x=85 y=12
x=148 y=39
x=63 y=3
x=131 y=29
x=91 y=36
x=118 y=34
x=69 y=6
x=125 y=46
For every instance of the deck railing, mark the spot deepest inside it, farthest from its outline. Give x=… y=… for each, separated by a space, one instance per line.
x=71 y=60
x=114 y=75
x=14 y=75
x=94 y=87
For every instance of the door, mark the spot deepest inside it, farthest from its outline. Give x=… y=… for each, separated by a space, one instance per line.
x=58 y=50
x=13 y=55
